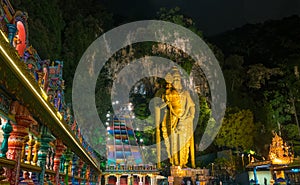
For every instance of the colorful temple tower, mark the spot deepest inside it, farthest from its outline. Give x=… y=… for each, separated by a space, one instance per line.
x=280 y=168
x=41 y=142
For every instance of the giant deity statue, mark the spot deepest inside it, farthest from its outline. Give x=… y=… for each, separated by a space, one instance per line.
x=177 y=123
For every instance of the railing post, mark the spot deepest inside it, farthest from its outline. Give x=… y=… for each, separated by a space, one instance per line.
x=106 y=179
x=84 y=172
x=59 y=149
x=80 y=164
x=36 y=148
x=7 y=129
x=46 y=137
x=74 y=169
x=92 y=176
x=118 y=179
x=30 y=148
x=87 y=177
x=68 y=156
x=23 y=148
x=129 y=179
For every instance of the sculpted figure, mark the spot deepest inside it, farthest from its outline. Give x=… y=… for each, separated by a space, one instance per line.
x=177 y=124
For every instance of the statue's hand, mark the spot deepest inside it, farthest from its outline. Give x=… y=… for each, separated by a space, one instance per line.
x=163 y=105
x=174 y=127
x=189 y=116
x=177 y=130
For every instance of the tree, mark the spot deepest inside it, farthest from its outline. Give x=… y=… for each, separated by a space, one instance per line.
x=234 y=71
x=45 y=26
x=175 y=16
x=259 y=75
x=237 y=131
x=203 y=120
x=279 y=109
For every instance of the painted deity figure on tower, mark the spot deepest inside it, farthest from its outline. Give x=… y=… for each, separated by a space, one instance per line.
x=177 y=123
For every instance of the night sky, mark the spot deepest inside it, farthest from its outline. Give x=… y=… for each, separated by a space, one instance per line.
x=211 y=16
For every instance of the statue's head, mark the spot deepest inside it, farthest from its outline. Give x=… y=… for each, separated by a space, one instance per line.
x=176 y=79
x=169 y=78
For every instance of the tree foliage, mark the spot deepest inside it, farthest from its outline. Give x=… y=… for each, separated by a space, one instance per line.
x=45 y=26
x=237 y=131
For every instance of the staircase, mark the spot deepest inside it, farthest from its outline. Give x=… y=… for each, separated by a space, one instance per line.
x=122 y=144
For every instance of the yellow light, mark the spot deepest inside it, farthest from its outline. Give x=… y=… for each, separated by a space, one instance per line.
x=277 y=161
x=45 y=96
x=42 y=100
x=4 y=36
x=59 y=115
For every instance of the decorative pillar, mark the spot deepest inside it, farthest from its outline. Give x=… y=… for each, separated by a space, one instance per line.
x=129 y=179
x=26 y=138
x=83 y=173
x=88 y=173
x=99 y=177
x=62 y=164
x=118 y=179
x=7 y=129
x=48 y=158
x=106 y=177
x=12 y=29
x=36 y=148
x=59 y=148
x=16 y=139
x=30 y=148
x=92 y=176
x=141 y=180
x=152 y=180
x=46 y=137
x=34 y=161
x=74 y=170
x=80 y=164
x=68 y=156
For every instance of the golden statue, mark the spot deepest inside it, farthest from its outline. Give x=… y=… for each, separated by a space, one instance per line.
x=177 y=123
